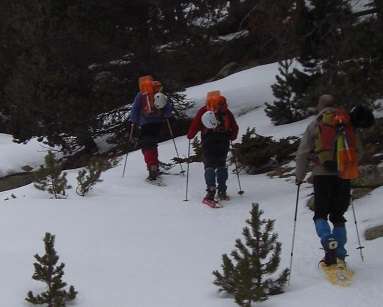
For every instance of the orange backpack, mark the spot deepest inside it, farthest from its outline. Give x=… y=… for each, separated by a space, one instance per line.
x=215 y=101
x=148 y=87
x=335 y=144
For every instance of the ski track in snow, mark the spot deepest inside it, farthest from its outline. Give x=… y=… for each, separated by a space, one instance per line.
x=129 y=243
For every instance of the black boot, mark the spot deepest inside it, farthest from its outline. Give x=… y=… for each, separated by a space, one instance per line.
x=153 y=172
x=210 y=193
x=330 y=251
x=222 y=195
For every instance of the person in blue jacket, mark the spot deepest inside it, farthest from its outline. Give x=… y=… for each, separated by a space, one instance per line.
x=150 y=110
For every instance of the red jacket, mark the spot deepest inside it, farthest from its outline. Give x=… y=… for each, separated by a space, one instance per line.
x=230 y=125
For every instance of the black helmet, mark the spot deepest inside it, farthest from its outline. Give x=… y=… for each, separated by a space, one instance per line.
x=362 y=117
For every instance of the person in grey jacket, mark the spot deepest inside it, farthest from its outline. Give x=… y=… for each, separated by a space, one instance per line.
x=331 y=193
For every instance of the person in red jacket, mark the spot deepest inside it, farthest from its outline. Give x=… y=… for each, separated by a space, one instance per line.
x=218 y=127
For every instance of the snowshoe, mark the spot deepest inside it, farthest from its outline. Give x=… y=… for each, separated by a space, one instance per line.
x=165 y=166
x=157 y=181
x=170 y=173
x=209 y=198
x=337 y=274
x=222 y=195
x=211 y=203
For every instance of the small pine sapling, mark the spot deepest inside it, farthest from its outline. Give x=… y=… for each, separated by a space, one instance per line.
x=247 y=276
x=197 y=148
x=51 y=178
x=198 y=153
x=88 y=177
x=48 y=272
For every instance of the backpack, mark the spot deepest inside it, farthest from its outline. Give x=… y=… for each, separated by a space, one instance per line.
x=336 y=145
x=216 y=103
x=148 y=87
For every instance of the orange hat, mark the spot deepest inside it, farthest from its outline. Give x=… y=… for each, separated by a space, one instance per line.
x=145 y=84
x=216 y=102
x=213 y=93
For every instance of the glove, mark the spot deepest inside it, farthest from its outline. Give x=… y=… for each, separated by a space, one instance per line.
x=298 y=182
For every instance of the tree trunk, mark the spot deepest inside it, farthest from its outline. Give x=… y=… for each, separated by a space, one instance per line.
x=235 y=9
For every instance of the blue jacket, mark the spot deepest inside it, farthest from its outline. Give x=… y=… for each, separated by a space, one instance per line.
x=138 y=117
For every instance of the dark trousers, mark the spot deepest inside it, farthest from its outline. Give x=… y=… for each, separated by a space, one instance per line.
x=332 y=198
x=150 y=135
x=215 y=147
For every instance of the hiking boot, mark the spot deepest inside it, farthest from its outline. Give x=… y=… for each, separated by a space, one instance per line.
x=210 y=193
x=330 y=247
x=153 y=172
x=222 y=195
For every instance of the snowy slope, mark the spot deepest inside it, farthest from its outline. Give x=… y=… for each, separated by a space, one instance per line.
x=15 y=156
x=244 y=90
x=133 y=244
x=248 y=91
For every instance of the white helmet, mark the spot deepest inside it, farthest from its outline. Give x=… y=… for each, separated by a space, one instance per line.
x=160 y=101
x=209 y=120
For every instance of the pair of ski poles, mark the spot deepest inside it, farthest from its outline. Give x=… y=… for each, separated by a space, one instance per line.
x=240 y=192
x=171 y=134
x=360 y=247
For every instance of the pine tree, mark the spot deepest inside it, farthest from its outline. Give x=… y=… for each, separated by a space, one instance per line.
x=51 y=178
x=247 y=276
x=47 y=271
x=289 y=107
x=198 y=151
x=326 y=45
x=88 y=177
x=51 y=69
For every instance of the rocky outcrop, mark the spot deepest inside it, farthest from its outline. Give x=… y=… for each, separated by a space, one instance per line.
x=370 y=176
x=226 y=70
x=374 y=232
x=15 y=181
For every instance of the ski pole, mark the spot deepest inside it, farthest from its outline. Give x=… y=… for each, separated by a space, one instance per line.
x=187 y=173
x=360 y=247
x=240 y=192
x=294 y=229
x=126 y=155
x=174 y=142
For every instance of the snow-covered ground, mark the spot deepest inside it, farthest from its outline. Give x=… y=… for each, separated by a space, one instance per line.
x=14 y=156
x=129 y=243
